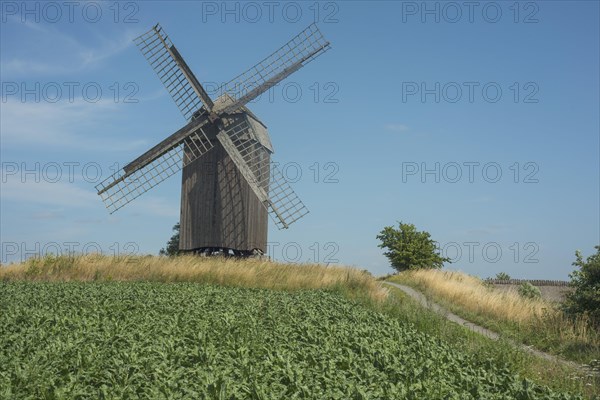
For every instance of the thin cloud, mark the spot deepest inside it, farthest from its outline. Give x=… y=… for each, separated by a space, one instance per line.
x=481 y=199
x=62 y=124
x=108 y=49
x=493 y=229
x=57 y=194
x=396 y=128
x=155 y=206
x=48 y=215
x=68 y=55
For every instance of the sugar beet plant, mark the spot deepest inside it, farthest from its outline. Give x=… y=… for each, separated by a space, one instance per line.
x=185 y=340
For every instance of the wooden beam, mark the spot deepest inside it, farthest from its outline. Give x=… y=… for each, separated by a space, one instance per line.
x=164 y=146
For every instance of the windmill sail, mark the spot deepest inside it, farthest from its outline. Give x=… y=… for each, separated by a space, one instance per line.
x=303 y=48
x=265 y=179
x=167 y=144
x=174 y=73
x=129 y=183
x=219 y=210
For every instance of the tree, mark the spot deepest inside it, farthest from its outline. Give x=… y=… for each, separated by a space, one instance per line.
x=503 y=276
x=527 y=290
x=172 y=248
x=585 y=299
x=408 y=248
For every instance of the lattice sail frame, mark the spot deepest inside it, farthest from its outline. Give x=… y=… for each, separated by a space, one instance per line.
x=121 y=188
x=303 y=48
x=155 y=45
x=265 y=178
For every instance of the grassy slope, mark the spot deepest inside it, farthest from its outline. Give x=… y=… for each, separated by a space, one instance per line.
x=350 y=282
x=534 y=322
x=556 y=376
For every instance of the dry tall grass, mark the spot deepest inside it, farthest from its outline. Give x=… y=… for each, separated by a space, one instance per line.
x=534 y=320
x=471 y=294
x=215 y=270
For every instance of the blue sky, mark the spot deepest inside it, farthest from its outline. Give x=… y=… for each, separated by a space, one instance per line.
x=478 y=125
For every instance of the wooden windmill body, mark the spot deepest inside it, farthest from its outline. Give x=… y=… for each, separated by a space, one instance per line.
x=219 y=209
x=229 y=184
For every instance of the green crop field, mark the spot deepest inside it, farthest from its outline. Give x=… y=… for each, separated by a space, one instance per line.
x=188 y=340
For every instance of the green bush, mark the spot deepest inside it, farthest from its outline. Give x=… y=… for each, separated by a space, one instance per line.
x=503 y=276
x=172 y=248
x=586 y=281
x=529 y=291
x=408 y=248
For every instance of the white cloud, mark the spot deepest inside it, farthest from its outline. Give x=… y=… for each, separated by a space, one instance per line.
x=396 y=128
x=61 y=194
x=155 y=206
x=63 y=124
x=53 y=52
x=494 y=229
x=18 y=65
x=108 y=49
x=48 y=214
x=481 y=199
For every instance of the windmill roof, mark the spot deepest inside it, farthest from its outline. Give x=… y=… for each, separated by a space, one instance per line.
x=260 y=132
x=259 y=129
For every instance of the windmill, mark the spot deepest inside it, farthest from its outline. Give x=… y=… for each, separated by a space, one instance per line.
x=229 y=184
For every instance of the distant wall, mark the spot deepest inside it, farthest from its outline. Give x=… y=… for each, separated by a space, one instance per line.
x=551 y=290
x=534 y=282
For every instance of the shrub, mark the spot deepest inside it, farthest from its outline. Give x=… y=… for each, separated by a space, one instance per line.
x=529 y=291
x=172 y=248
x=408 y=248
x=503 y=276
x=586 y=281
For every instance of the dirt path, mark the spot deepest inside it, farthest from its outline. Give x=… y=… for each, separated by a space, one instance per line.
x=421 y=299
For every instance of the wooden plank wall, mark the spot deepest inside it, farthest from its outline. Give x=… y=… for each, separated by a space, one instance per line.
x=218 y=207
